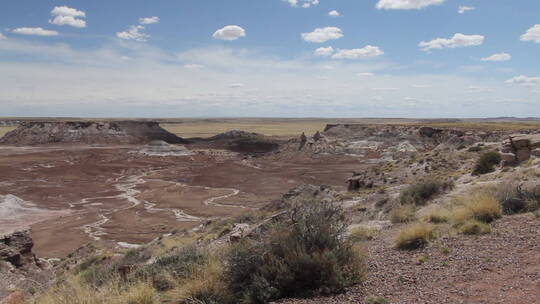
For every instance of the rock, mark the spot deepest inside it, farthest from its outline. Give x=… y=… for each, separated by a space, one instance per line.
x=16 y=249
x=239 y=232
x=536 y=152
x=317 y=136
x=523 y=155
x=508 y=158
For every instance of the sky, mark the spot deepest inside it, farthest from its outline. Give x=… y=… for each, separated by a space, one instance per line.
x=270 y=58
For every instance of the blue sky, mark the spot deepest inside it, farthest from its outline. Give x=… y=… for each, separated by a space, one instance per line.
x=278 y=58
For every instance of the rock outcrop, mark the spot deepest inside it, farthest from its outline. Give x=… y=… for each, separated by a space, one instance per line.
x=16 y=249
x=88 y=132
x=518 y=148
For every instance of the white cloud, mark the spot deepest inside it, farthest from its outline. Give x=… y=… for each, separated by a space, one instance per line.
x=525 y=81
x=532 y=34
x=334 y=13
x=67 y=11
x=2 y=36
x=458 y=40
x=64 y=15
x=365 y=74
x=320 y=35
x=406 y=4
x=302 y=3
x=68 y=20
x=35 y=31
x=498 y=57
x=229 y=32
x=134 y=33
x=237 y=85
x=464 y=9
x=149 y=20
x=324 y=51
x=365 y=52
x=309 y=3
x=193 y=66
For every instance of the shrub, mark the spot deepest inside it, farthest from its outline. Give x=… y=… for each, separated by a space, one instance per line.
x=309 y=255
x=415 y=236
x=487 y=162
x=516 y=199
x=181 y=264
x=419 y=193
x=403 y=214
x=474 y=227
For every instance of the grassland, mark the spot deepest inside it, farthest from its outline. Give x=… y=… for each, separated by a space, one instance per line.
x=206 y=128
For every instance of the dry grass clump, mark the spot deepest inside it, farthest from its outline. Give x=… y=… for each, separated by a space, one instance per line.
x=481 y=206
x=359 y=234
x=403 y=214
x=75 y=291
x=437 y=215
x=415 y=236
x=472 y=227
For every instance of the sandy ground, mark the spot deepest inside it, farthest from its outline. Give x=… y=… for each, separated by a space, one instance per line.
x=78 y=194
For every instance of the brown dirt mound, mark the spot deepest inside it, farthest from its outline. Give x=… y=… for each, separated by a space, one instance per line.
x=88 y=132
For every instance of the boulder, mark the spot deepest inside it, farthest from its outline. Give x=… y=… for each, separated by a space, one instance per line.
x=16 y=249
x=239 y=232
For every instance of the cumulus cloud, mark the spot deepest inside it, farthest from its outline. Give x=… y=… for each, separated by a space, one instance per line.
x=334 y=13
x=532 y=34
x=365 y=52
x=458 y=40
x=406 y=4
x=67 y=11
x=64 y=15
x=365 y=74
x=324 y=51
x=35 y=31
x=498 y=57
x=229 y=32
x=134 y=32
x=320 y=35
x=464 y=9
x=149 y=20
x=525 y=81
x=193 y=66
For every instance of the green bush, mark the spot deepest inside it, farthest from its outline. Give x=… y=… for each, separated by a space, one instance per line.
x=308 y=255
x=421 y=192
x=487 y=162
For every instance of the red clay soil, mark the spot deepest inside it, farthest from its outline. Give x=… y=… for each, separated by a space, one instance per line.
x=116 y=196
x=501 y=267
